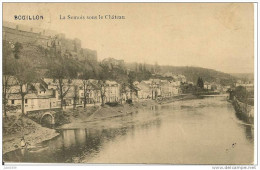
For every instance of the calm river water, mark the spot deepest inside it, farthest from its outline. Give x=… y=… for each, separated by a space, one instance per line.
x=201 y=131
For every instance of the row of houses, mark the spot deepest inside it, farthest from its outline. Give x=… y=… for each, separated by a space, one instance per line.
x=249 y=85
x=212 y=86
x=176 y=77
x=153 y=88
x=45 y=94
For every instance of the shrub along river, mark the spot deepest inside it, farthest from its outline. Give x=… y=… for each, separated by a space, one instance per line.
x=201 y=131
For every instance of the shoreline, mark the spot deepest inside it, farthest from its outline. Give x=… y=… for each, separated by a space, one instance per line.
x=33 y=134
x=36 y=133
x=106 y=112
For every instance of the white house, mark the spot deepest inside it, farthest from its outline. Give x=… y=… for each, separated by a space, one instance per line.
x=112 y=91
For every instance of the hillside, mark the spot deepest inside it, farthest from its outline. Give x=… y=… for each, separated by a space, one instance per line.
x=191 y=73
x=41 y=58
x=244 y=76
x=209 y=75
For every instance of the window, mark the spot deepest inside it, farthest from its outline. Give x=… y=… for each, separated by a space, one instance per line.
x=12 y=101
x=26 y=101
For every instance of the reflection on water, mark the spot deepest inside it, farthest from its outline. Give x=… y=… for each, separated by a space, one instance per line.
x=203 y=131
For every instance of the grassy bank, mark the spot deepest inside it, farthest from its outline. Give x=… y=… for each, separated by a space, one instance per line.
x=177 y=98
x=33 y=133
x=94 y=114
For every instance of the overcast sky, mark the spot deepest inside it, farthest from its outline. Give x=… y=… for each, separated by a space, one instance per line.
x=211 y=35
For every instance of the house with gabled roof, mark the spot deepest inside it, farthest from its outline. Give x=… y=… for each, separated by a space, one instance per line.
x=39 y=97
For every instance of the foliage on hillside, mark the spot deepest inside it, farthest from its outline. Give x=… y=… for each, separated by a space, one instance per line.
x=244 y=76
x=41 y=59
x=191 y=73
x=209 y=75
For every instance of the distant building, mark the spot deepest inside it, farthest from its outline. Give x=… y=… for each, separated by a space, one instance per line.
x=248 y=86
x=48 y=39
x=17 y=35
x=166 y=89
x=111 y=62
x=88 y=54
x=154 y=88
x=112 y=92
x=168 y=74
x=207 y=85
x=70 y=48
x=144 y=92
x=91 y=89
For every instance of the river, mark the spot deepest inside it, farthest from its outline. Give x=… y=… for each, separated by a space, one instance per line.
x=201 y=131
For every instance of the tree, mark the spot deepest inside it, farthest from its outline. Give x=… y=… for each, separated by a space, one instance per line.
x=122 y=90
x=76 y=96
x=6 y=87
x=102 y=89
x=144 y=68
x=241 y=94
x=59 y=70
x=157 y=68
x=24 y=72
x=102 y=77
x=62 y=69
x=8 y=72
x=17 y=49
x=26 y=75
x=140 y=67
x=85 y=83
x=131 y=78
x=200 y=83
x=84 y=77
x=136 y=67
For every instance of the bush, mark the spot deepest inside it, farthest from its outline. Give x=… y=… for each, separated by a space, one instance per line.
x=112 y=104
x=12 y=108
x=241 y=94
x=129 y=101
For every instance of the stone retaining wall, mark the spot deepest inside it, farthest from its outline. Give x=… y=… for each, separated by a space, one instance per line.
x=244 y=110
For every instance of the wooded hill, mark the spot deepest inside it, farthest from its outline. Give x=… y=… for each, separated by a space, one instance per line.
x=244 y=76
x=191 y=73
x=42 y=59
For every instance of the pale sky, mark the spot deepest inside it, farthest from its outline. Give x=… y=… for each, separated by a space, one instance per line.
x=219 y=36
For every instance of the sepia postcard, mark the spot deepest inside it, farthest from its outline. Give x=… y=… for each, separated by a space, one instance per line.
x=129 y=83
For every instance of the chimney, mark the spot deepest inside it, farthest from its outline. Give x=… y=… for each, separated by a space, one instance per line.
x=17 y=27
x=31 y=29
x=43 y=32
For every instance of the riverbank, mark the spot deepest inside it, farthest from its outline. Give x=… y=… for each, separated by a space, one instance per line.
x=95 y=114
x=244 y=111
x=15 y=128
x=135 y=135
x=178 y=98
x=34 y=133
